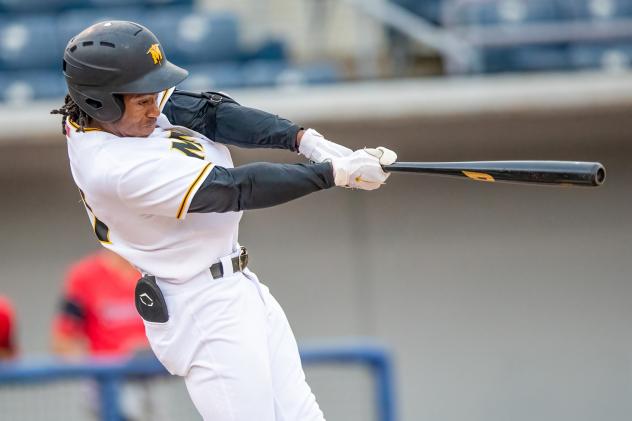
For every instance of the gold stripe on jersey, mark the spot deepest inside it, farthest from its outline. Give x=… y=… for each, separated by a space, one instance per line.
x=100 y=229
x=87 y=129
x=163 y=100
x=207 y=168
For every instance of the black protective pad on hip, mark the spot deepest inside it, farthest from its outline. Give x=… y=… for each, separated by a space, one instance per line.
x=150 y=303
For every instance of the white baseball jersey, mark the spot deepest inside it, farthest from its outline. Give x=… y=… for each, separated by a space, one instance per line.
x=137 y=192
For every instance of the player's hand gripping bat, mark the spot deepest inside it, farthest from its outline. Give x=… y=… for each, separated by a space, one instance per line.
x=590 y=174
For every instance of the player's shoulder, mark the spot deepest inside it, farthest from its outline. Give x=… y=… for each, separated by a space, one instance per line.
x=113 y=154
x=135 y=149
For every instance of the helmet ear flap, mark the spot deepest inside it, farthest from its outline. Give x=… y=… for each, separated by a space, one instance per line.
x=120 y=104
x=108 y=108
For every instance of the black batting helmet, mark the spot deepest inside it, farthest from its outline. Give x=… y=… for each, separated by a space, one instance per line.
x=112 y=58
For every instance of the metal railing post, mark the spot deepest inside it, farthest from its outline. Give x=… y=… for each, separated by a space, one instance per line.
x=109 y=386
x=384 y=388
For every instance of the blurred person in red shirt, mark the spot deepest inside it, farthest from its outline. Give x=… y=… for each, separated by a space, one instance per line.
x=98 y=318
x=7 y=329
x=97 y=314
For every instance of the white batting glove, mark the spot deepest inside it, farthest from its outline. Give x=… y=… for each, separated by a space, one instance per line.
x=318 y=149
x=386 y=156
x=360 y=170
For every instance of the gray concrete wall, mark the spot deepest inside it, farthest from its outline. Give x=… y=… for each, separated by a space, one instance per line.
x=498 y=301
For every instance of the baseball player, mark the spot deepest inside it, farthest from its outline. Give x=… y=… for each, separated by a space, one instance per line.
x=7 y=330
x=161 y=190
x=97 y=314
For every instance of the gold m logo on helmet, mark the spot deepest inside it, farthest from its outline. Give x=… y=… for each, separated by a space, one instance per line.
x=156 y=54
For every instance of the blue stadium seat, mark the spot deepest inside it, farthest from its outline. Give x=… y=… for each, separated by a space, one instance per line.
x=489 y=12
x=259 y=73
x=427 y=9
x=269 y=49
x=190 y=37
x=597 y=9
x=517 y=12
x=37 y=6
x=113 y=3
x=72 y=22
x=612 y=56
x=214 y=77
x=256 y=74
x=22 y=87
x=162 y=3
x=29 y=42
x=47 y=6
x=136 y=3
x=321 y=73
x=526 y=58
x=265 y=73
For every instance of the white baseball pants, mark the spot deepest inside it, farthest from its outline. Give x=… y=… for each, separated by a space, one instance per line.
x=231 y=341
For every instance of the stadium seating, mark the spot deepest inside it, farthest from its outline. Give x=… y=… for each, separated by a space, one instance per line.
x=33 y=34
x=258 y=73
x=28 y=42
x=190 y=37
x=553 y=55
x=516 y=12
x=52 y=6
x=318 y=73
x=213 y=77
x=596 y=9
x=36 y=6
x=429 y=9
x=281 y=73
x=487 y=12
x=24 y=86
x=606 y=56
x=70 y=23
x=269 y=49
x=526 y=58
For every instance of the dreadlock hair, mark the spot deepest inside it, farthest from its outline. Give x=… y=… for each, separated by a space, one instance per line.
x=72 y=111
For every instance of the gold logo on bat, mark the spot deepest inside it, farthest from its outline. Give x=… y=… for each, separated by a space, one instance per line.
x=155 y=53
x=479 y=176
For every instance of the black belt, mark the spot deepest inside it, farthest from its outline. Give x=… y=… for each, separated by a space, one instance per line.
x=239 y=264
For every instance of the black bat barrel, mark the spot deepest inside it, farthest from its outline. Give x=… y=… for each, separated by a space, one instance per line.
x=538 y=172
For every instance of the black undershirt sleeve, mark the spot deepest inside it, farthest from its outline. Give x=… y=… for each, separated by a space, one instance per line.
x=259 y=185
x=223 y=120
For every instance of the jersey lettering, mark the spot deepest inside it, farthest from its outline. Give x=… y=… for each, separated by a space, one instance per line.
x=187 y=145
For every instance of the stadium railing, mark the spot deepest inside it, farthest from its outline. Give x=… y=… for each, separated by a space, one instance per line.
x=109 y=374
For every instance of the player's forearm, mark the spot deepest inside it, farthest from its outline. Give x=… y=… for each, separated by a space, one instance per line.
x=225 y=121
x=259 y=185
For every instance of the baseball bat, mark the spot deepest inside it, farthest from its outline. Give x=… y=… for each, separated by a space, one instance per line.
x=532 y=172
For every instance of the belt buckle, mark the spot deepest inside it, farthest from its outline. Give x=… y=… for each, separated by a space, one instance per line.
x=243 y=258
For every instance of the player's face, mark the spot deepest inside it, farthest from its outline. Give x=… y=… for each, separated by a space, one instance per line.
x=139 y=119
